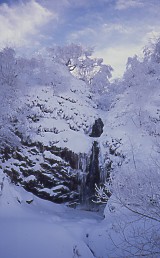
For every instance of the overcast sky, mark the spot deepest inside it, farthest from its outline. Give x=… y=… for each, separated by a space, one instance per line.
x=116 y=28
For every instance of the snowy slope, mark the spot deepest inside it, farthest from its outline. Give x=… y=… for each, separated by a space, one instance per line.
x=64 y=119
x=41 y=229
x=61 y=159
x=131 y=226
x=54 y=155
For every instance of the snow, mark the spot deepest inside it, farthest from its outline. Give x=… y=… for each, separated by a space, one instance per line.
x=41 y=229
x=49 y=155
x=29 y=178
x=63 y=117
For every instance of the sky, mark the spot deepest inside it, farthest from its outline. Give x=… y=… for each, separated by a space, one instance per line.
x=116 y=29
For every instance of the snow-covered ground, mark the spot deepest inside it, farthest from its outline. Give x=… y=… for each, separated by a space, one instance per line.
x=63 y=116
x=42 y=229
x=32 y=227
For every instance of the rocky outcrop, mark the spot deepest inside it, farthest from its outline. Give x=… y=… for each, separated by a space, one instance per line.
x=58 y=159
x=97 y=128
x=44 y=173
x=59 y=174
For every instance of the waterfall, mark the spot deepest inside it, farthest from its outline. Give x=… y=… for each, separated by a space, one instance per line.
x=91 y=169
x=82 y=168
x=93 y=175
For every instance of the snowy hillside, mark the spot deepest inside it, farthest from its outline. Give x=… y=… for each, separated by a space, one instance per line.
x=60 y=142
x=34 y=227
x=73 y=139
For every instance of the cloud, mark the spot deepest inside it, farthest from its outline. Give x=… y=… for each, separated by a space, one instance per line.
x=125 y=4
x=117 y=57
x=79 y=34
x=56 y=5
x=19 y=24
x=103 y=34
x=152 y=34
x=115 y=27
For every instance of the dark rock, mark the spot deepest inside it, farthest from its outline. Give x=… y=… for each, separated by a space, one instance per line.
x=49 y=174
x=70 y=157
x=97 y=128
x=29 y=201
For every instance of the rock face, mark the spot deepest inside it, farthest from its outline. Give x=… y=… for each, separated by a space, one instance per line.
x=44 y=173
x=97 y=128
x=58 y=159
x=56 y=174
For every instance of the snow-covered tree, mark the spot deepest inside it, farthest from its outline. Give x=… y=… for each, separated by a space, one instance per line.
x=83 y=65
x=15 y=75
x=8 y=66
x=135 y=116
x=68 y=55
x=100 y=81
